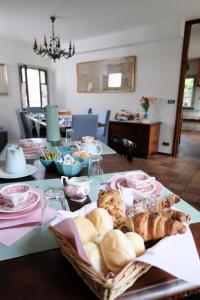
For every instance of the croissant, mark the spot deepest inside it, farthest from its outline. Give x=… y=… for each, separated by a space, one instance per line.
x=112 y=202
x=176 y=215
x=153 y=226
x=165 y=203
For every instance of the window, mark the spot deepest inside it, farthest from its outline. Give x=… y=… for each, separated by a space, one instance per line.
x=189 y=89
x=34 y=87
x=114 y=80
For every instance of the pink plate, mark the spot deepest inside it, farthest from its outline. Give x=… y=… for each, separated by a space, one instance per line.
x=17 y=215
x=158 y=190
x=33 y=199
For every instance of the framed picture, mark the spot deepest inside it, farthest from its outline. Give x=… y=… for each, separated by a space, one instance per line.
x=108 y=75
x=3 y=80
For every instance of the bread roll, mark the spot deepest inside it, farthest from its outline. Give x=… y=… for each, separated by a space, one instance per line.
x=117 y=250
x=101 y=220
x=86 y=229
x=137 y=242
x=93 y=252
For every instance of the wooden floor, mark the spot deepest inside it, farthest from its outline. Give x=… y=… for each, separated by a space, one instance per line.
x=182 y=174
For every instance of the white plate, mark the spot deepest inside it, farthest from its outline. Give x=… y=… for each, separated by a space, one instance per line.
x=30 y=169
x=33 y=199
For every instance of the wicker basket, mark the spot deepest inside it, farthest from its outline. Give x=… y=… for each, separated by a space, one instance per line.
x=105 y=289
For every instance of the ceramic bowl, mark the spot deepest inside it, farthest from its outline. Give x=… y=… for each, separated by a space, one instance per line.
x=70 y=170
x=15 y=194
x=49 y=164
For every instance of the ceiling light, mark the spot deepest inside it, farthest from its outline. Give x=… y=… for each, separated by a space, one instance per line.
x=53 y=50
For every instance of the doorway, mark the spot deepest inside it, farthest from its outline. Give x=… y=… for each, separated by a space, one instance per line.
x=187 y=126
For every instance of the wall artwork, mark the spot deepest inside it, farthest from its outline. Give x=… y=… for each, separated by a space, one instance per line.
x=3 y=80
x=108 y=75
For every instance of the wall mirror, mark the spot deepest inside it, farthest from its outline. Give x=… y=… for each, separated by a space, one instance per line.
x=108 y=75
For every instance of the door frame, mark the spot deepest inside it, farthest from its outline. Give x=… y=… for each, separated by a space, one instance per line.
x=183 y=70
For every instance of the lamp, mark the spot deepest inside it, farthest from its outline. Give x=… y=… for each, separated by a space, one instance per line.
x=53 y=50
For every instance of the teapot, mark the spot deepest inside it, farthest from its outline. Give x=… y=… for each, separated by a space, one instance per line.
x=15 y=159
x=76 y=188
x=91 y=147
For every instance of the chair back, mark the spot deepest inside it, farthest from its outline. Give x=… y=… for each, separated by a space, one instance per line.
x=123 y=146
x=102 y=116
x=102 y=132
x=24 y=124
x=33 y=109
x=84 y=125
x=86 y=111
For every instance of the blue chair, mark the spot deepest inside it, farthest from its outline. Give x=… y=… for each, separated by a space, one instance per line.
x=84 y=125
x=24 y=124
x=85 y=111
x=33 y=109
x=102 y=132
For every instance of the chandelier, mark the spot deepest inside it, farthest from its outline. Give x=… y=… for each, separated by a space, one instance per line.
x=53 y=50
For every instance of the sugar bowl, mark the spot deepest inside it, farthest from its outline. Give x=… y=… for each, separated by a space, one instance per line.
x=76 y=188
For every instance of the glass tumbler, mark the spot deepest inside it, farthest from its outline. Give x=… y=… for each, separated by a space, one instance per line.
x=95 y=166
x=55 y=197
x=69 y=137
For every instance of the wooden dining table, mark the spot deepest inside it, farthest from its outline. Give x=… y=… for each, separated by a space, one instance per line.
x=48 y=275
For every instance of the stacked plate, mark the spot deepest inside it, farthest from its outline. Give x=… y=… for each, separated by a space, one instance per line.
x=23 y=209
x=31 y=147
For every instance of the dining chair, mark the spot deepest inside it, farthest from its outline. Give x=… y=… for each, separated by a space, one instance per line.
x=84 y=125
x=33 y=109
x=102 y=131
x=86 y=111
x=24 y=124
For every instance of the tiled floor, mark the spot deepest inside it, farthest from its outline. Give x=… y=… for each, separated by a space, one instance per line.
x=182 y=174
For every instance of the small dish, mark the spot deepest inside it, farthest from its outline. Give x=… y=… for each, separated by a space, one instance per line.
x=30 y=169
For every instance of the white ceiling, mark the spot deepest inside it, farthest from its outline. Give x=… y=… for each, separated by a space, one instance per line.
x=79 y=19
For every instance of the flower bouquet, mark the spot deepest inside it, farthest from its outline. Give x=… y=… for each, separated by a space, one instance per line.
x=145 y=103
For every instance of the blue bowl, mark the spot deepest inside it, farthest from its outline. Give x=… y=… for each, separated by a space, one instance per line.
x=49 y=164
x=85 y=160
x=62 y=149
x=70 y=170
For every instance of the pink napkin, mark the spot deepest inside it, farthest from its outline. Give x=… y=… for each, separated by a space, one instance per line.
x=20 y=227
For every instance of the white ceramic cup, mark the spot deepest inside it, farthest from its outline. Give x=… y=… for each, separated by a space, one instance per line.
x=15 y=159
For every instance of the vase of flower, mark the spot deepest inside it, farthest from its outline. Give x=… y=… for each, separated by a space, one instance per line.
x=145 y=103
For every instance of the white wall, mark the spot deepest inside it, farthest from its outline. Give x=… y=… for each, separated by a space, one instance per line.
x=13 y=53
x=158 y=51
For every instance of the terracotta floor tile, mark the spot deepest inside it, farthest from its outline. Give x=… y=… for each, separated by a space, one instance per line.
x=177 y=186
x=194 y=184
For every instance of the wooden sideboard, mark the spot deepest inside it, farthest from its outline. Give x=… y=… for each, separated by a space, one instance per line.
x=145 y=135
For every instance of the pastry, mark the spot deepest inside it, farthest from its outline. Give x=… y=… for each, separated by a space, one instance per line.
x=176 y=215
x=112 y=202
x=117 y=250
x=153 y=226
x=93 y=252
x=101 y=220
x=137 y=242
x=162 y=204
x=86 y=229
